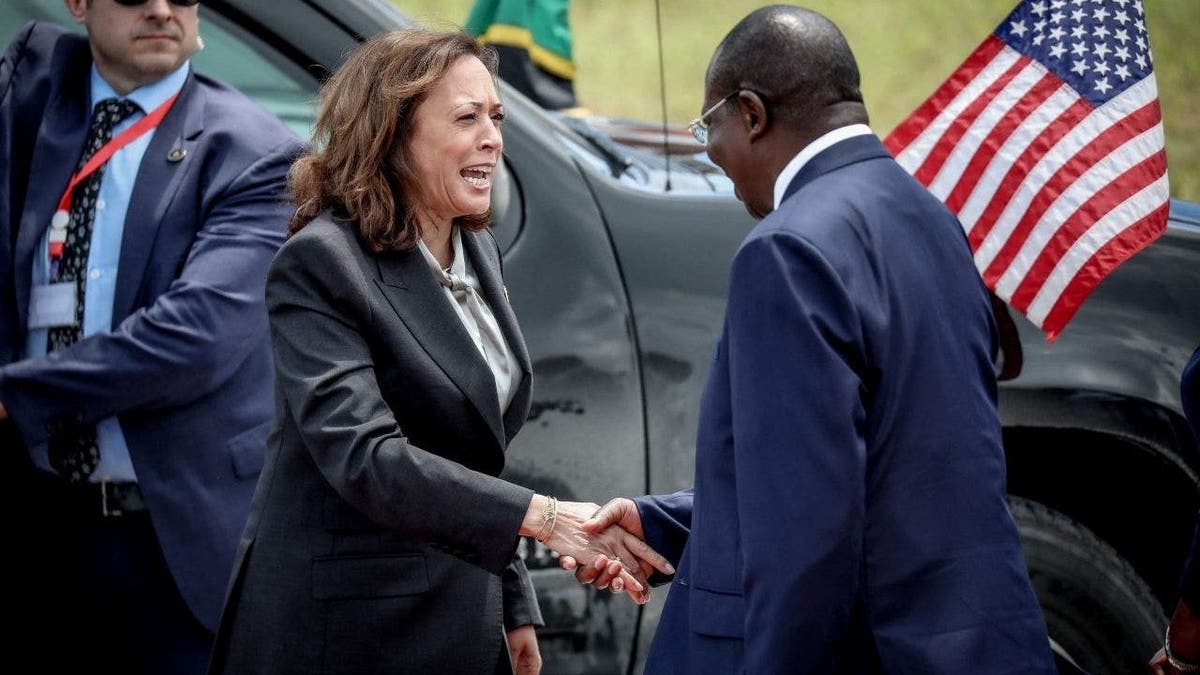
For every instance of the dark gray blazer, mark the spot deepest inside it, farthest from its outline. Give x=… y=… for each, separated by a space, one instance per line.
x=379 y=539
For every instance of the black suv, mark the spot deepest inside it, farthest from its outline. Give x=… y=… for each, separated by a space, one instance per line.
x=620 y=288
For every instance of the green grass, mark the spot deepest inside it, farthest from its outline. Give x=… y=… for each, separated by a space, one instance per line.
x=905 y=50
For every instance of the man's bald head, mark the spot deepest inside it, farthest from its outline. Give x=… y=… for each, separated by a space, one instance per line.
x=798 y=60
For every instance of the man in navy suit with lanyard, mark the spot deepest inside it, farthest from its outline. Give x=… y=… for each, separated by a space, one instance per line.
x=848 y=514
x=140 y=205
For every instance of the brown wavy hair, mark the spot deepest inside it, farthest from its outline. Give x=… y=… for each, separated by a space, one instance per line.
x=358 y=164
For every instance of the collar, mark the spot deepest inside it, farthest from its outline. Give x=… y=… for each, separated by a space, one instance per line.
x=458 y=267
x=148 y=96
x=811 y=150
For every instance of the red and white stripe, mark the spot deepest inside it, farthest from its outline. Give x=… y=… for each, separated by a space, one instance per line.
x=1053 y=193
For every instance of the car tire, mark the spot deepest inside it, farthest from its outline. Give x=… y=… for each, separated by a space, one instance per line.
x=1099 y=612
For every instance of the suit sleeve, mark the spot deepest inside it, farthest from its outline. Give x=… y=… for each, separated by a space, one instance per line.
x=666 y=524
x=16 y=146
x=317 y=299
x=189 y=340
x=799 y=452
x=520 y=600
x=11 y=59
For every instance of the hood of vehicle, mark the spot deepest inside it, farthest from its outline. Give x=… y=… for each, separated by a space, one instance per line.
x=659 y=158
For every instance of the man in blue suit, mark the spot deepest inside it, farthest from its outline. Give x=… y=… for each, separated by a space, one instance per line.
x=136 y=385
x=848 y=513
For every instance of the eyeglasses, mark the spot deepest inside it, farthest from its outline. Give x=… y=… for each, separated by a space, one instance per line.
x=177 y=3
x=699 y=126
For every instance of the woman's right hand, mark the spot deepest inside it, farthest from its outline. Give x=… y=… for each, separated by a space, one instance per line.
x=620 y=519
x=568 y=538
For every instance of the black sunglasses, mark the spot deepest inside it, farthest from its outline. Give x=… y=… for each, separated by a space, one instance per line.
x=177 y=3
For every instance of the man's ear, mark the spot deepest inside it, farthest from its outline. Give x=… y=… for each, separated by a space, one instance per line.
x=77 y=9
x=754 y=116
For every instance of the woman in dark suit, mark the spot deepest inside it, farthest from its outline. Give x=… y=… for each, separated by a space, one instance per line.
x=380 y=539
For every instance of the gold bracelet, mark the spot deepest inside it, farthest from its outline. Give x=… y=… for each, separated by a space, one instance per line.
x=549 y=516
x=1181 y=666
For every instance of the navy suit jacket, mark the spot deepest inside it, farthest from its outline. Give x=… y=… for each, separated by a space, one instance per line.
x=187 y=365
x=848 y=514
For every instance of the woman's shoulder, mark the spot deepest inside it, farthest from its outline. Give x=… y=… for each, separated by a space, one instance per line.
x=326 y=247
x=326 y=239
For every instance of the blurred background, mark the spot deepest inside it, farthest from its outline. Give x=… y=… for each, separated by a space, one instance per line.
x=905 y=50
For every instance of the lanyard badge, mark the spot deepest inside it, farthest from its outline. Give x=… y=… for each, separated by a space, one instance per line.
x=62 y=215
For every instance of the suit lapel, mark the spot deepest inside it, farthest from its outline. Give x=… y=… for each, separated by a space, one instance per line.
x=158 y=180
x=836 y=156
x=478 y=247
x=414 y=294
x=56 y=152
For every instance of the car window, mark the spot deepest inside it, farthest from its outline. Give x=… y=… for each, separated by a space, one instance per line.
x=242 y=60
x=234 y=56
x=15 y=13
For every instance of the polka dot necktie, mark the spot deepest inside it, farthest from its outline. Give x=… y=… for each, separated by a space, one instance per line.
x=73 y=452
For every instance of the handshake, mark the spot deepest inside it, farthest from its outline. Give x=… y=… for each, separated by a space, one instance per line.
x=604 y=545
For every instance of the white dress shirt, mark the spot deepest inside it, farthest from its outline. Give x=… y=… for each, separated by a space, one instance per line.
x=477 y=318
x=809 y=151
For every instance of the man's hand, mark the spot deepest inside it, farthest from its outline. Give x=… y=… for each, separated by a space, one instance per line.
x=619 y=525
x=523 y=648
x=3 y=412
x=607 y=550
x=566 y=537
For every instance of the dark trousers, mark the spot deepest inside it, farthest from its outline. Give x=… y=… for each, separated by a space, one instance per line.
x=90 y=593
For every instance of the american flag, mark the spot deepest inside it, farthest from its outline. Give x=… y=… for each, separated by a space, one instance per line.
x=1048 y=144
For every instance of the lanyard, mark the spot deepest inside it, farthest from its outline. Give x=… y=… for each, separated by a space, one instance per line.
x=62 y=217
